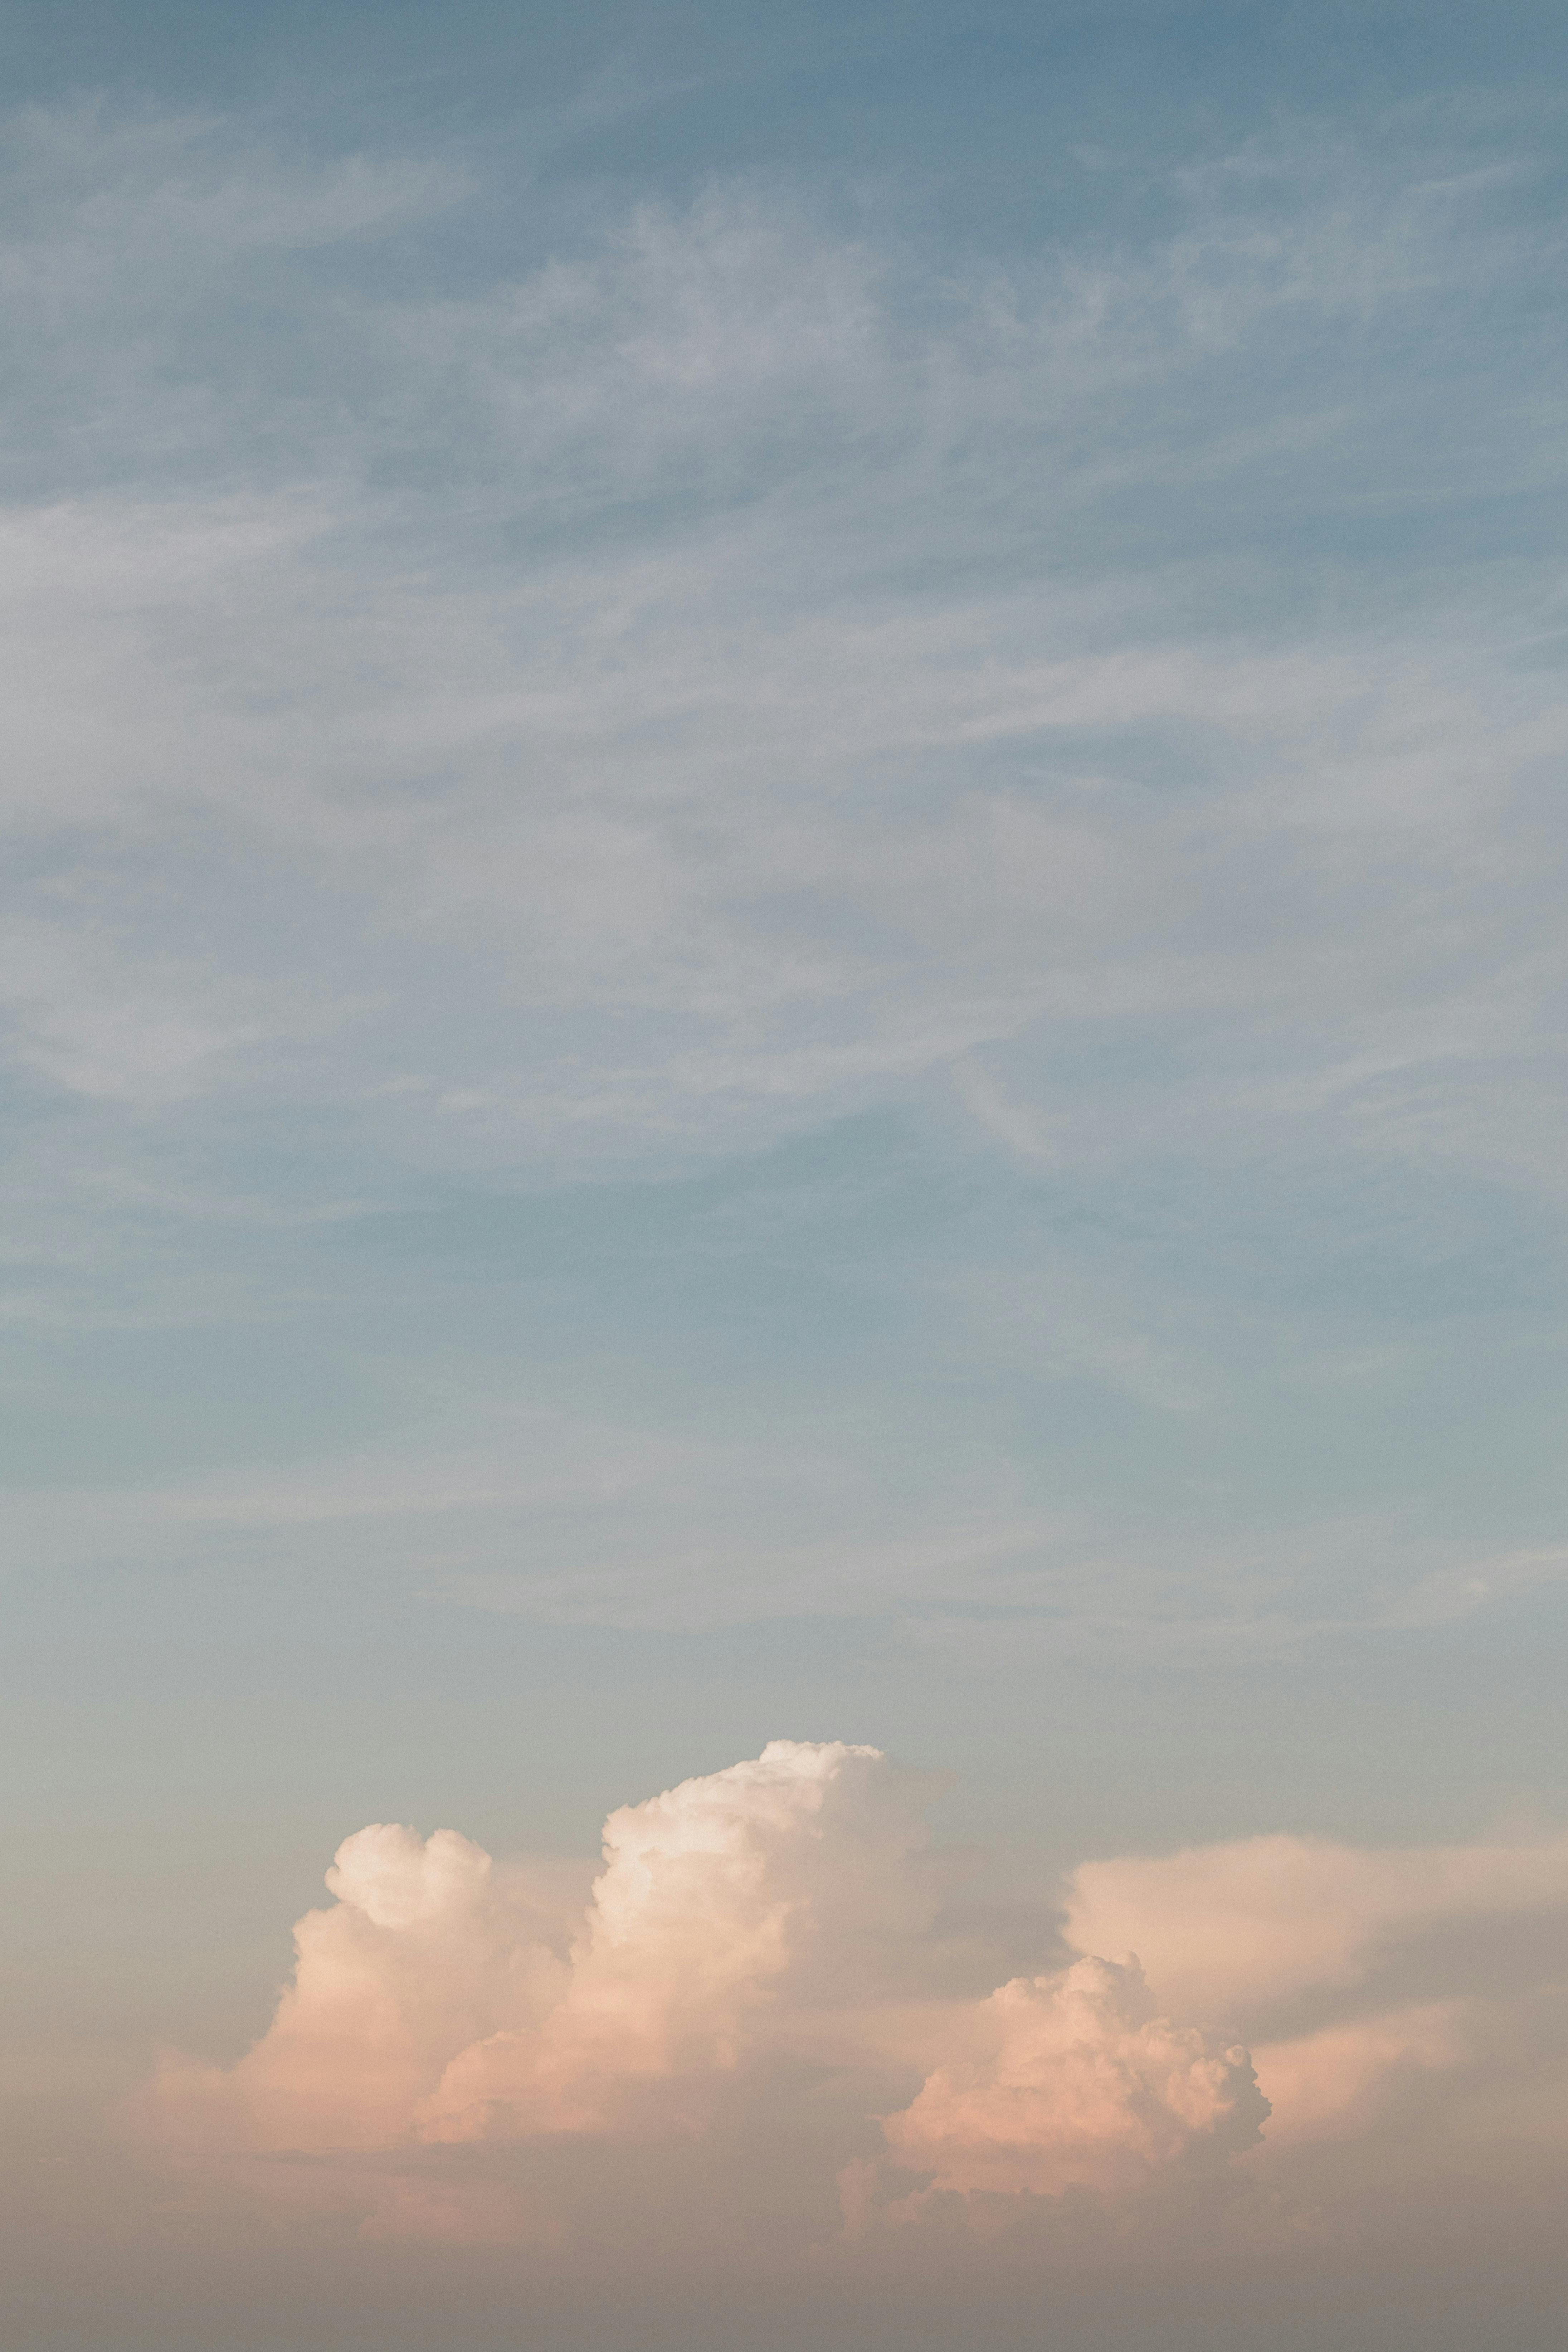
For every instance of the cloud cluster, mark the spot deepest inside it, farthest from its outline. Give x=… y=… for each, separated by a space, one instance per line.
x=784 y=1912
x=781 y=1939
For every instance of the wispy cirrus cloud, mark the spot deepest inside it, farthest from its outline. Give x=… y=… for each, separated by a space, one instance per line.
x=568 y=642
x=704 y=669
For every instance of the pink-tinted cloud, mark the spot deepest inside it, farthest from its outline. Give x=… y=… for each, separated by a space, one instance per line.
x=1310 y=1950
x=1238 y=1928
x=768 y=1941
x=1332 y=2084
x=1075 y=2079
x=725 y=1906
x=426 y=1949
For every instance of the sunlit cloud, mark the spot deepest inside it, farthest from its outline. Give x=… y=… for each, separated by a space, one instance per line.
x=784 y=1923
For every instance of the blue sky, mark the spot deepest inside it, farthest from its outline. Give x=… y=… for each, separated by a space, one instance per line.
x=783 y=945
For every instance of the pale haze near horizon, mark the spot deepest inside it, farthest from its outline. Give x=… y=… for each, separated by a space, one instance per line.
x=782 y=963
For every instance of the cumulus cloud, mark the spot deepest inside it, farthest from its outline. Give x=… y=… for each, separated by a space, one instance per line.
x=784 y=1912
x=725 y=1906
x=425 y=1950
x=1075 y=2079
x=778 y=1938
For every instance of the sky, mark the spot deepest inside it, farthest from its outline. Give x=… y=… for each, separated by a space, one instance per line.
x=782 y=1042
